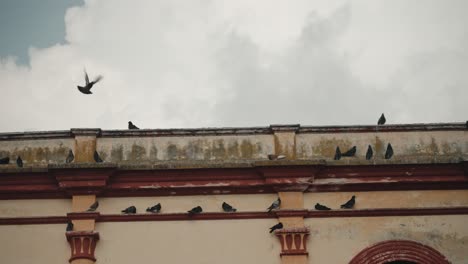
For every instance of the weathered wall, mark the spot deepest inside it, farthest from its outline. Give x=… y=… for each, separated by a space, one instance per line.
x=338 y=240
x=26 y=244
x=196 y=242
x=37 y=151
x=45 y=207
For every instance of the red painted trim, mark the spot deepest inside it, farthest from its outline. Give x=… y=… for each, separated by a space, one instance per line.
x=393 y=250
x=235 y=216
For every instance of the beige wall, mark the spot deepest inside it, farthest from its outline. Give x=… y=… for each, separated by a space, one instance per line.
x=37 y=151
x=34 y=244
x=195 y=242
x=45 y=207
x=338 y=240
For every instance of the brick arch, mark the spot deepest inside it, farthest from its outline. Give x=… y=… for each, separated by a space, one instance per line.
x=393 y=250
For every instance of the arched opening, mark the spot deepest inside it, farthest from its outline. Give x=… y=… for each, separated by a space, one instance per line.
x=399 y=252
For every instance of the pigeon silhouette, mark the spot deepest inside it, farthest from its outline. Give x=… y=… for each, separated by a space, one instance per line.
x=93 y=207
x=321 y=207
x=276 y=157
x=349 y=204
x=131 y=125
x=130 y=210
x=70 y=157
x=369 y=153
x=88 y=85
x=97 y=158
x=154 y=209
x=382 y=120
x=195 y=210
x=466 y=125
x=19 y=162
x=228 y=208
x=337 y=154
x=5 y=160
x=350 y=153
x=275 y=205
x=276 y=227
x=69 y=226
x=389 y=151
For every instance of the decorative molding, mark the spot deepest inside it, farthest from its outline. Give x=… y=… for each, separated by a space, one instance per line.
x=293 y=240
x=82 y=181
x=404 y=250
x=285 y=128
x=85 y=132
x=34 y=220
x=388 y=212
x=83 y=215
x=82 y=244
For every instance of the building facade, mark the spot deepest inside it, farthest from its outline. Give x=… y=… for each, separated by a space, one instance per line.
x=410 y=207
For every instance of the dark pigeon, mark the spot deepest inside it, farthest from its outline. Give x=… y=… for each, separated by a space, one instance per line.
x=349 y=204
x=5 y=160
x=275 y=205
x=466 y=125
x=350 y=153
x=321 y=207
x=154 y=209
x=228 y=208
x=69 y=226
x=195 y=210
x=382 y=120
x=97 y=158
x=88 y=85
x=369 y=153
x=130 y=210
x=389 y=151
x=19 y=162
x=276 y=227
x=93 y=207
x=70 y=157
x=131 y=125
x=337 y=154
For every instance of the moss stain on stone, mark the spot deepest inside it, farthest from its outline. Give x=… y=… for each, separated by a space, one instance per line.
x=218 y=149
x=233 y=150
x=172 y=152
x=117 y=153
x=327 y=147
x=137 y=153
x=247 y=149
x=153 y=153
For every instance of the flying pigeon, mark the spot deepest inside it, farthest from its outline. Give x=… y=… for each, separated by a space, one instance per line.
x=93 y=207
x=228 y=208
x=130 y=210
x=131 y=125
x=69 y=226
x=70 y=157
x=154 y=209
x=369 y=153
x=389 y=151
x=88 y=85
x=276 y=157
x=97 y=158
x=275 y=227
x=349 y=204
x=5 y=160
x=195 y=210
x=337 y=154
x=19 y=162
x=275 y=205
x=321 y=207
x=350 y=153
x=382 y=120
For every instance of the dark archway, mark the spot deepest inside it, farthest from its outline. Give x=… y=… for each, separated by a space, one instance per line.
x=399 y=251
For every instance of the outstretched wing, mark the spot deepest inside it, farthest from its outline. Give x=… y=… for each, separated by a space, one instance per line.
x=86 y=77
x=97 y=79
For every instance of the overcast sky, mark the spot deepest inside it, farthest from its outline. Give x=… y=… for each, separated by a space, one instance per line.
x=200 y=63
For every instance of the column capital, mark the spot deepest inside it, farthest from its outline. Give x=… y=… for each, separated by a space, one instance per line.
x=293 y=240
x=82 y=244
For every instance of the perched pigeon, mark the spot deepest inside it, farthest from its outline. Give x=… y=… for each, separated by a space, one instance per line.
x=275 y=205
x=69 y=226
x=466 y=125
x=321 y=207
x=228 y=208
x=349 y=204
x=276 y=227
x=350 y=153
x=154 y=209
x=93 y=207
x=337 y=154
x=131 y=125
x=389 y=151
x=130 y=210
x=195 y=210
x=369 y=153
x=88 y=85
x=70 y=157
x=97 y=158
x=5 y=160
x=276 y=157
x=19 y=162
x=382 y=120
